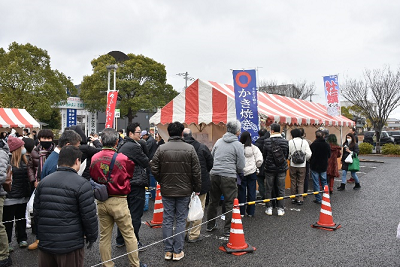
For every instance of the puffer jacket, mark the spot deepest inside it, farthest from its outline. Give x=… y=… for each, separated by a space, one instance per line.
x=20 y=182
x=228 y=155
x=64 y=212
x=206 y=163
x=254 y=159
x=4 y=162
x=269 y=158
x=34 y=167
x=176 y=167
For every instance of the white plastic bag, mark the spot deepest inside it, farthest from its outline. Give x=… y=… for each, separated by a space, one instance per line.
x=195 y=209
x=30 y=202
x=398 y=231
x=349 y=158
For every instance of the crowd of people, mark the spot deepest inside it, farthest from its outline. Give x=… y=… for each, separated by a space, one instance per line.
x=56 y=176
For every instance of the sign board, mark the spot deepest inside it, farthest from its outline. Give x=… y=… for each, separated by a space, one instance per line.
x=72 y=102
x=117 y=113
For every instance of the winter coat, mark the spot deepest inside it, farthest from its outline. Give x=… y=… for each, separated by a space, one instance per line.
x=87 y=154
x=151 y=146
x=20 y=184
x=34 y=166
x=321 y=152
x=176 y=167
x=354 y=149
x=120 y=175
x=228 y=154
x=4 y=162
x=260 y=144
x=269 y=158
x=206 y=163
x=299 y=144
x=332 y=169
x=64 y=212
x=254 y=159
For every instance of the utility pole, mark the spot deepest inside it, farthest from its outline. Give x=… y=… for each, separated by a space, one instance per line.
x=186 y=78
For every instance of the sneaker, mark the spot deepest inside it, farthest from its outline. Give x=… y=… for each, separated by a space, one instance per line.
x=268 y=211
x=294 y=201
x=140 y=246
x=168 y=256
x=300 y=202
x=23 y=244
x=178 y=256
x=34 y=245
x=210 y=229
x=195 y=240
x=143 y=264
x=281 y=212
x=6 y=262
x=120 y=245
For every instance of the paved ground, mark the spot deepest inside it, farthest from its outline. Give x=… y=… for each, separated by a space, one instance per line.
x=369 y=219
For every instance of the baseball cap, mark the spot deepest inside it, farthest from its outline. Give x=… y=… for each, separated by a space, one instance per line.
x=144 y=132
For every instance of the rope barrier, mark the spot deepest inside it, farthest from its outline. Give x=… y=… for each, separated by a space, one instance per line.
x=154 y=243
x=279 y=198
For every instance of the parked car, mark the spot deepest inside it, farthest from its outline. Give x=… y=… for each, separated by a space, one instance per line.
x=396 y=136
x=385 y=138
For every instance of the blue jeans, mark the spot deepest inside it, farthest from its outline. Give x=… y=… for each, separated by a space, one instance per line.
x=353 y=174
x=248 y=184
x=316 y=177
x=175 y=209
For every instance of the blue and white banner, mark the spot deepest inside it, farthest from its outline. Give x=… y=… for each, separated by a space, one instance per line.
x=332 y=93
x=71 y=117
x=245 y=86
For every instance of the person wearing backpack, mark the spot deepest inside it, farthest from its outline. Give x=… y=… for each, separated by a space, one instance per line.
x=275 y=152
x=299 y=153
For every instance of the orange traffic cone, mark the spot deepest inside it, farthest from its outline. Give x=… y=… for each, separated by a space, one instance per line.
x=325 y=217
x=237 y=245
x=158 y=211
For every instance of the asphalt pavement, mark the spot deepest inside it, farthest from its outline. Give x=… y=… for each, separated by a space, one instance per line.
x=369 y=219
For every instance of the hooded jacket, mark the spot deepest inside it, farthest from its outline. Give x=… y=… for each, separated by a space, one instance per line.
x=4 y=162
x=228 y=154
x=254 y=159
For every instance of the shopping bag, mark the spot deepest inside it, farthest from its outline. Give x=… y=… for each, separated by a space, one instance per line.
x=349 y=158
x=355 y=165
x=30 y=202
x=195 y=209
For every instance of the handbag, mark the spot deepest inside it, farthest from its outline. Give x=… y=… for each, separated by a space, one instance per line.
x=8 y=182
x=349 y=158
x=195 y=209
x=355 y=165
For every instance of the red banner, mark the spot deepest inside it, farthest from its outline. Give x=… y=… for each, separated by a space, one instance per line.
x=110 y=111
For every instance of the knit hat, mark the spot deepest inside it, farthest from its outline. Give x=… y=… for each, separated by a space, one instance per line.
x=14 y=143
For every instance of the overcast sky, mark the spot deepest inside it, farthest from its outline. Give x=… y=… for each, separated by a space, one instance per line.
x=287 y=40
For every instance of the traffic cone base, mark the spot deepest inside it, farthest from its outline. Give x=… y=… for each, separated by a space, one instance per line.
x=325 y=218
x=158 y=211
x=237 y=244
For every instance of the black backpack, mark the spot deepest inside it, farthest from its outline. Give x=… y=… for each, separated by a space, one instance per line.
x=277 y=154
x=298 y=156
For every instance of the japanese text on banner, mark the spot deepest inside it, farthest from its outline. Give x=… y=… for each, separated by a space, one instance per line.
x=245 y=86
x=332 y=93
x=71 y=117
x=110 y=110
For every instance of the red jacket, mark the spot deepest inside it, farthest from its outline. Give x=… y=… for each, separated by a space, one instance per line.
x=121 y=173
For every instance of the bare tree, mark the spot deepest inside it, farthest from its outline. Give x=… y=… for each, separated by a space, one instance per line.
x=300 y=90
x=377 y=93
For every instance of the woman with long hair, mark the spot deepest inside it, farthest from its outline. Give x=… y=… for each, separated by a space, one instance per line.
x=247 y=188
x=18 y=197
x=332 y=170
x=349 y=147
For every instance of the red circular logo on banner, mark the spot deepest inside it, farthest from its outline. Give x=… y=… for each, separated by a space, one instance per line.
x=240 y=74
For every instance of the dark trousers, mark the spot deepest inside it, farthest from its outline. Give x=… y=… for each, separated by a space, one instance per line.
x=136 y=199
x=16 y=211
x=247 y=193
x=74 y=258
x=307 y=177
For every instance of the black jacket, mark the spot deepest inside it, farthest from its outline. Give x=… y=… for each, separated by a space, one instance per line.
x=206 y=163
x=87 y=154
x=64 y=212
x=321 y=152
x=151 y=146
x=269 y=158
x=260 y=144
x=20 y=182
x=134 y=151
x=354 y=149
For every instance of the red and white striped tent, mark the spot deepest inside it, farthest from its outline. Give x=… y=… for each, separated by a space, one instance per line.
x=206 y=102
x=16 y=118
